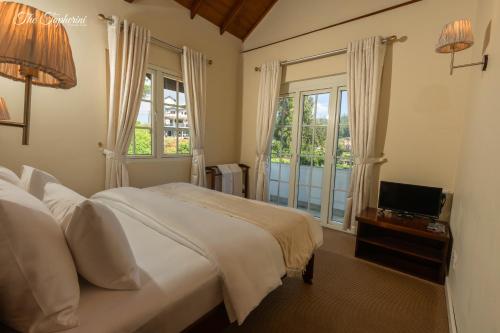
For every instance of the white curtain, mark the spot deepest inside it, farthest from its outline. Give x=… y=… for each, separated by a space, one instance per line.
x=269 y=90
x=194 y=72
x=365 y=60
x=128 y=59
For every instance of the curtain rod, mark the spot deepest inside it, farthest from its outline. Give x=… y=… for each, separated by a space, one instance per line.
x=380 y=11
x=154 y=40
x=389 y=39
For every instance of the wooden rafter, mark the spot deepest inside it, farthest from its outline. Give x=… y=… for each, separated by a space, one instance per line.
x=271 y=4
x=195 y=7
x=231 y=16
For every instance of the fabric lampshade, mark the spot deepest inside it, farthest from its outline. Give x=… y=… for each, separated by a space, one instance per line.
x=4 y=112
x=34 y=43
x=456 y=36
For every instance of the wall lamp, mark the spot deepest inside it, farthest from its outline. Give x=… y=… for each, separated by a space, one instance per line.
x=455 y=37
x=34 y=49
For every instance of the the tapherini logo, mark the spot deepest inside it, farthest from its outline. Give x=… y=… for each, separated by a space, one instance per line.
x=50 y=18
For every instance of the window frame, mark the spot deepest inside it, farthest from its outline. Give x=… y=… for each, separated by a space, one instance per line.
x=157 y=117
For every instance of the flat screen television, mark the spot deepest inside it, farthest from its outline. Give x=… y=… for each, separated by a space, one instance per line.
x=410 y=199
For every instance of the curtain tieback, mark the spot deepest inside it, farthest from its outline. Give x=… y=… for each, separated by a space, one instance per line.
x=262 y=157
x=111 y=154
x=198 y=151
x=369 y=160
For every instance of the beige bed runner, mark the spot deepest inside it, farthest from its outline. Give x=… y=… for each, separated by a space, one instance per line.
x=290 y=227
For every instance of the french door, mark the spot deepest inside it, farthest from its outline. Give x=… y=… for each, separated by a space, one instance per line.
x=311 y=159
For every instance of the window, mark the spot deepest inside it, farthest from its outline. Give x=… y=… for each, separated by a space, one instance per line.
x=176 y=128
x=311 y=161
x=141 y=143
x=164 y=133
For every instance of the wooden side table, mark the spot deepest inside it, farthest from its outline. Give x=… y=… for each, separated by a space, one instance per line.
x=403 y=244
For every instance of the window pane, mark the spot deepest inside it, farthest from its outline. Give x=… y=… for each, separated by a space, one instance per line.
x=320 y=141
x=286 y=141
x=322 y=107
x=144 y=116
x=303 y=197
x=148 y=87
x=275 y=169
x=182 y=97
x=342 y=178
x=317 y=172
x=182 y=118
x=315 y=201
x=306 y=145
x=344 y=100
x=308 y=112
x=305 y=170
x=276 y=143
x=170 y=91
x=285 y=169
x=143 y=141
x=283 y=199
x=131 y=145
x=273 y=191
x=338 y=206
x=170 y=141
x=343 y=166
x=284 y=115
x=184 y=142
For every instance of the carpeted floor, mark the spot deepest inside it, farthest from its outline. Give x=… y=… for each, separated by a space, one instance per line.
x=350 y=295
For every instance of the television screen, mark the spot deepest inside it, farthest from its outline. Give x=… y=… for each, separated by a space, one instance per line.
x=411 y=199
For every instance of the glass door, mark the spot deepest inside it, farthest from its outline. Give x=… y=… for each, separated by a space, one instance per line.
x=310 y=163
x=315 y=108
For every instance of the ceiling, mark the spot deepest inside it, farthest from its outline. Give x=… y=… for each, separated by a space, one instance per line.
x=238 y=17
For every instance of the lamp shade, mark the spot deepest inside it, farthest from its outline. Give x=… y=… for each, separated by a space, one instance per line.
x=456 y=36
x=34 y=43
x=4 y=113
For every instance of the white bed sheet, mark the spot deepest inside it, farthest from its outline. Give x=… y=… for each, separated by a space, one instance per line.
x=179 y=287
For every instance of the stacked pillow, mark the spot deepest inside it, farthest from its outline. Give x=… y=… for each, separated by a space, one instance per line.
x=50 y=232
x=38 y=281
x=9 y=176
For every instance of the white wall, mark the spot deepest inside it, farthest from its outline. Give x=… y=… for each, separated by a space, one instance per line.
x=475 y=280
x=421 y=118
x=68 y=124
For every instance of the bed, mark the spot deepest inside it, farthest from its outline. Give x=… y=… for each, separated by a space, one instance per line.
x=198 y=250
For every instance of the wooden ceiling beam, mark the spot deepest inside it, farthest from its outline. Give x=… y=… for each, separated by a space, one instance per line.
x=195 y=7
x=232 y=15
x=271 y=4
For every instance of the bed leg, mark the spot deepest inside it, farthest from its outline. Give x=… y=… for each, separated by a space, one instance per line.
x=308 y=275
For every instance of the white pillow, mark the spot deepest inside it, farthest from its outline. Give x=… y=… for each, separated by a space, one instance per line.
x=38 y=280
x=9 y=176
x=61 y=201
x=100 y=248
x=33 y=180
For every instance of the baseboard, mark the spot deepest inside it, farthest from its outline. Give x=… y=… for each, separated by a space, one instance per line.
x=452 y=324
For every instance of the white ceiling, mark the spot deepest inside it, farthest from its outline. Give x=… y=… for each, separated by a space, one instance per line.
x=292 y=17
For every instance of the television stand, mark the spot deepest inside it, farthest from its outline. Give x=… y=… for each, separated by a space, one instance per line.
x=404 y=244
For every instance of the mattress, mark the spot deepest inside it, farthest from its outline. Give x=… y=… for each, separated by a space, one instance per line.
x=179 y=287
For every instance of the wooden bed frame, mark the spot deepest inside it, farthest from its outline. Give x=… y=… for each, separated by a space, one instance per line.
x=216 y=320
